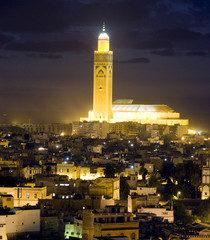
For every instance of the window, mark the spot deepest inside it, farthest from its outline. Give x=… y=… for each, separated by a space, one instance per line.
x=35 y=195
x=27 y=195
x=61 y=170
x=67 y=170
x=33 y=222
x=8 y=199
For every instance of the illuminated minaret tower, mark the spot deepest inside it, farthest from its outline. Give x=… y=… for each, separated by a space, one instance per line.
x=102 y=82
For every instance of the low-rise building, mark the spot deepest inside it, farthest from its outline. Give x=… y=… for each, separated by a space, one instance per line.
x=68 y=169
x=144 y=190
x=114 y=221
x=167 y=215
x=25 y=195
x=29 y=172
x=108 y=187
x=135 y=201
x=19 y=221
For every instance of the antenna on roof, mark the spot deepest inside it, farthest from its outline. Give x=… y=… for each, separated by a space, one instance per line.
x=103 y=26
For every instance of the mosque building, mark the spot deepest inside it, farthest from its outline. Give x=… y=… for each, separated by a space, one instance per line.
x=122 y=110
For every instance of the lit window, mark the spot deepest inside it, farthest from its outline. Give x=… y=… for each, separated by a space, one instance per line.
x=35 y=195
x=61 y=170
x=27 y=195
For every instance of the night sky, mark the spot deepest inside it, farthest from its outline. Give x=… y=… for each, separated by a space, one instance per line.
x=161 y=55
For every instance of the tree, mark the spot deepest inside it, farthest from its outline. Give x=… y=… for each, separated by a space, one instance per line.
x=154 y=180
x=143 y=172
x=124 y=189
x=109 y=171
x=193 y=173
x=202 y=212
x=180 y=214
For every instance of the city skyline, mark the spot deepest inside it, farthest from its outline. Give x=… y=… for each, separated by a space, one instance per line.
x=161 y=55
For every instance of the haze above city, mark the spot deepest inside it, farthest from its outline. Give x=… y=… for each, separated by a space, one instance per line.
x=161 y=55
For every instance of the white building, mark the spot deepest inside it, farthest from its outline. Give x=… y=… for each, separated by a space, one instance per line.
x=21 y=221
x=144 y=190
x=206 y=180
x=159 y=212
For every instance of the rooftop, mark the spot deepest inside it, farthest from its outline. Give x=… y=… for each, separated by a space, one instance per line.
x=139 y=106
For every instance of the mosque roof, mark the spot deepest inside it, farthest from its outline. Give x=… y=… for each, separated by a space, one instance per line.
x=134 y=105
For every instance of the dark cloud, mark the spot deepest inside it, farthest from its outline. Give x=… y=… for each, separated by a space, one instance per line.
x=45 y=55
x=154 y=44
x=32 y=16
x=164 y=52
x=54 y=46
x=177 y=34
x=5 y=39
x=197 y=53
x=58 y=15
x=134 y=60
x=3 y=57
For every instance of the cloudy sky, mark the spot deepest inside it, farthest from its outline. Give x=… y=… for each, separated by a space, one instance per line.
x=161 y=55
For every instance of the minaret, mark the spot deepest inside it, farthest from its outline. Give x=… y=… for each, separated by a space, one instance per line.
x=102 y=79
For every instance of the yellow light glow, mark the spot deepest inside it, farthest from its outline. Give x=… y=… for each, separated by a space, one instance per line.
x=192 y=132
x=62 y=134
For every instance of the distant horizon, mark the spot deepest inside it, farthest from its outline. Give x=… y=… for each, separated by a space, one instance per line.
x=12 y=121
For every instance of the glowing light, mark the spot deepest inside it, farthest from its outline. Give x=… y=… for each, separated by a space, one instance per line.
x=191 y=132
x=57 y=146
x=62 y=134
x=183 y=138
x=103 y=35
x=131 y=166
x=41 y=148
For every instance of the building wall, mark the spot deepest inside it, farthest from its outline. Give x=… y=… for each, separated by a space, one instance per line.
x=109 y=187
x=86 y=174
x=68 y=169
x=25 y=195
x=206 y=180
x=129 y=229
x=29 y=172
x=134 y=202
x=90 y=129
x=160 y=212
x=21 y=222
x=144 y=190
x=7 y=201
